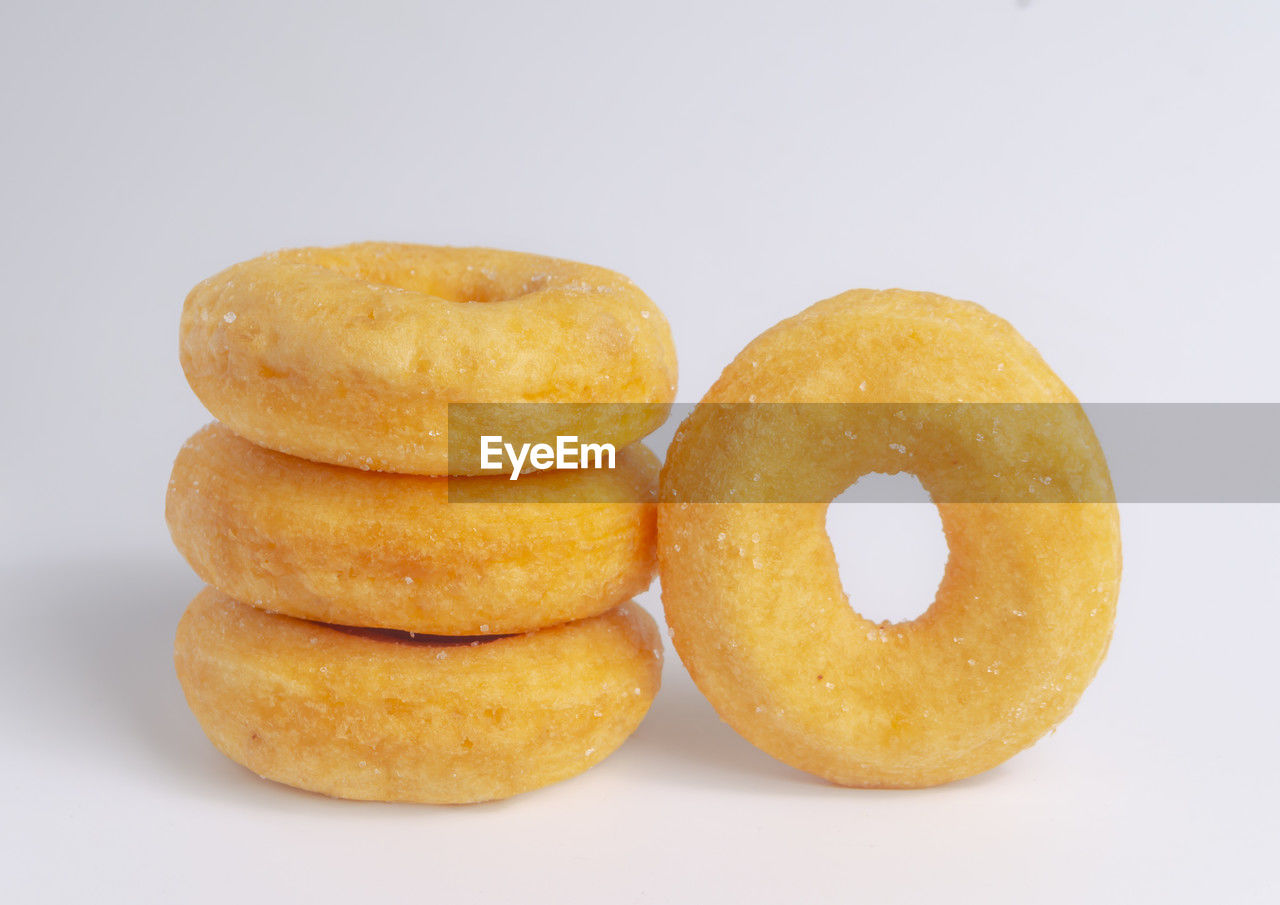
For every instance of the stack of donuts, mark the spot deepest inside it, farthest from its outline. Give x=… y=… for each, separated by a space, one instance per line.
x=383 y=620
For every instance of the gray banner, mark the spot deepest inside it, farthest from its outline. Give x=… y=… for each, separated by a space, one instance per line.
x=962 y=452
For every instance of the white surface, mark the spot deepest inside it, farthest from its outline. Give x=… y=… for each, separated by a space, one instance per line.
x=1103 y=174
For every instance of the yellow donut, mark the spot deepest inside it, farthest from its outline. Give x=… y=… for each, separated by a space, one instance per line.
x=752 y=594
x=351 y=355
x=359 y=713
x=392 y=551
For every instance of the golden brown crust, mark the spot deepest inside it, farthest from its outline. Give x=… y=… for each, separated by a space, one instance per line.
x=351 y=355
x=752 y=593
x=354 y=715
x=349 y=547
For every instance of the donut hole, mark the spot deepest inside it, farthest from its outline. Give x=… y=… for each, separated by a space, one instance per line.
x=474 y=285
x=889 y=545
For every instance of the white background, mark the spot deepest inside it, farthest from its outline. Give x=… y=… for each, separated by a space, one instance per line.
x=1103 y=174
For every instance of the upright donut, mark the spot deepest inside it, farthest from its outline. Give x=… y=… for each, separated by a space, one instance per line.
x=352 y=355
x=751 y=590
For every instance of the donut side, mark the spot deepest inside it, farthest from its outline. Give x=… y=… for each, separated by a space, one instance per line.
x=343 y=546
x=354 y=714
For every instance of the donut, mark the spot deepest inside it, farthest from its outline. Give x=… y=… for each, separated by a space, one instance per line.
x=889 y=381
x=373 y=715
x=352 y=355
x=443 y=556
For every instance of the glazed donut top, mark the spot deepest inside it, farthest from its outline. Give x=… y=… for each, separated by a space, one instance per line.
x=545 y=329
x=363 y=355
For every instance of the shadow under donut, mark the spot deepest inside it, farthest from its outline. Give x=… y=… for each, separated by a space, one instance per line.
x=92 y=674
